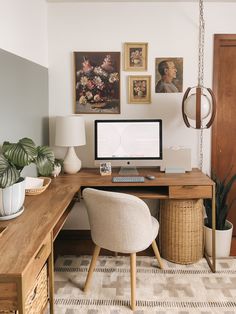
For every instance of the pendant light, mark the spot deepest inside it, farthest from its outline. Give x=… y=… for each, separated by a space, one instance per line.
x=199 y=102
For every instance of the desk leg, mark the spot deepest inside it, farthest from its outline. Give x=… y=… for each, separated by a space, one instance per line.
x=51 y=278
x=212 y=263
x=20 y=297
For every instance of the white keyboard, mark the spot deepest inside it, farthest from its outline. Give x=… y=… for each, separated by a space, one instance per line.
x=136 y=179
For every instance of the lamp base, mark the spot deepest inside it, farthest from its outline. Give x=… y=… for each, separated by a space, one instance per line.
x=71 y=164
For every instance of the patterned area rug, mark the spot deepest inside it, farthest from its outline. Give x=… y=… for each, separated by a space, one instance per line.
x=177 y=288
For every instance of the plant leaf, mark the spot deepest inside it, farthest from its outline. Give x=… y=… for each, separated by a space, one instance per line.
x=207 y=204
x=45 y=160
x=222 y=189
x=227 y=188
x=20 y=154
x=8 y=173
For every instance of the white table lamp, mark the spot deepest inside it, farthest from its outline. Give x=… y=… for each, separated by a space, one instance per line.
x=70 y=132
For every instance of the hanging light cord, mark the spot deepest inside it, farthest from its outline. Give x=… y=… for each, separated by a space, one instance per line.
x=201 y=44
x=201 y=67
x=201 y=150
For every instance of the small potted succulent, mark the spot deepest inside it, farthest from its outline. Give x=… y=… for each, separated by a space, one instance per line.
x=13 y=158
x=224 y=228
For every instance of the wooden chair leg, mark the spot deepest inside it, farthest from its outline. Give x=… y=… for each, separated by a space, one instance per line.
x=91 y=267
x=156 y=251
x=133 y=280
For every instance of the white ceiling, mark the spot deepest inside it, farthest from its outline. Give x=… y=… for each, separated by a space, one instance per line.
x=138 y=1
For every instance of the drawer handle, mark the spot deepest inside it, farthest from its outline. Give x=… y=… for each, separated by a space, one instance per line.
x=189 y=186
x=2 y=230
x=33 y=294
x=40 y=252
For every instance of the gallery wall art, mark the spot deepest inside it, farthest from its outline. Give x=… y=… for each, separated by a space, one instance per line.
x=139 y=89
x=97 y=82
x=169 y=75
x=135 y=56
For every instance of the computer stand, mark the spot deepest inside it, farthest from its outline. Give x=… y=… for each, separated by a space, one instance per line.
x=128 y=171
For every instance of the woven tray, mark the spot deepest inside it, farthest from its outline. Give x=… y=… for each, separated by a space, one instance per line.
x=40 y=190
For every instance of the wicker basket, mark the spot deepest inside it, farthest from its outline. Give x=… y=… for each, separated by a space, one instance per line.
x=181 y=230
x=38 y=297
x=40 y=190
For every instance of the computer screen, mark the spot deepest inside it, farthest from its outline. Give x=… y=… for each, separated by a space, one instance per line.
x=129 y=142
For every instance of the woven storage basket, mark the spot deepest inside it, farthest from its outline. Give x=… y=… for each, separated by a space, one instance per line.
x=181 y=230
x=38 y=296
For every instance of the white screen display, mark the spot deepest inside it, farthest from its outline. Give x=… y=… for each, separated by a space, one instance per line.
x=137 y=139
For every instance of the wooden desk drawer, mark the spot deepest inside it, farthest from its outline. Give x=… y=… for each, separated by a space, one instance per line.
x=36 y=264
x=8 y=297
x=190 y=191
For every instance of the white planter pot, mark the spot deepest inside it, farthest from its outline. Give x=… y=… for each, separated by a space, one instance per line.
x=12 y=199
x=223 y=240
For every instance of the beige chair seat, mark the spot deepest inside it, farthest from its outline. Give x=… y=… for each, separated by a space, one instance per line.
x=122 y=223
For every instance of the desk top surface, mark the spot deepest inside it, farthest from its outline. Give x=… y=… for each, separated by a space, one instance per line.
x=24 y=234
x=92 y=176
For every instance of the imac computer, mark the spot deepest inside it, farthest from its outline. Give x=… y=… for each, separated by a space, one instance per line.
x=128 y=143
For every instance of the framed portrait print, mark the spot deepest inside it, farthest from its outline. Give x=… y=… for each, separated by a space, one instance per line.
x=169 y=75
x=97 y=82
x=135 y=56
x=139 y=88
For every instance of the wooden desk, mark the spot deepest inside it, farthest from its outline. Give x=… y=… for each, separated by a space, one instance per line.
x=26 y=242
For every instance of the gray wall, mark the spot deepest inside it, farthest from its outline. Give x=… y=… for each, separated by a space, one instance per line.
x=23 y=99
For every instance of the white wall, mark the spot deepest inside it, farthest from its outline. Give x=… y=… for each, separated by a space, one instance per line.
x=23 y=29
x=171 y=29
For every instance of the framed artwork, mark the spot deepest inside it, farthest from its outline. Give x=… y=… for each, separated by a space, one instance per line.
x=97 y=82
x=105 y=168
x=139 y=89
x=135 y=56
x=169 y=75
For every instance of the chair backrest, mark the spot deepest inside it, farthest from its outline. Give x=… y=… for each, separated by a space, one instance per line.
x=119 y=222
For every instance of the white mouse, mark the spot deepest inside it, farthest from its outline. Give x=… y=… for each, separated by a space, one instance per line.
x=150 y=177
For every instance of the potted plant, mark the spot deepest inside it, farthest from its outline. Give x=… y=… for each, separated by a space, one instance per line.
x=224 y=228
x=14 y=157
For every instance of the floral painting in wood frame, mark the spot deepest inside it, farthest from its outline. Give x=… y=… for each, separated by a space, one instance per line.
x=135 y=56
x=97 y=82
x=139 y=89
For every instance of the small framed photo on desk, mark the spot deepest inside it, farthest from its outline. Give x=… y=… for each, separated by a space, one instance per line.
x=105 y=168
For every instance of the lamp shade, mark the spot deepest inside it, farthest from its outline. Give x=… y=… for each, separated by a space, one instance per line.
x=198 y=106
x=190 y=106
x=70 y=131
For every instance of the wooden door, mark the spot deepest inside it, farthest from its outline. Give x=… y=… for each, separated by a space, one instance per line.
x=224 y=126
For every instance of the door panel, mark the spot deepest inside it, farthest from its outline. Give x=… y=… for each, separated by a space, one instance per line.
x=224 y=126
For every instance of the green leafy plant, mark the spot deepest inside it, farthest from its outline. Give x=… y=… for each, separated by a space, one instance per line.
x=15 y=156
x=222 y=189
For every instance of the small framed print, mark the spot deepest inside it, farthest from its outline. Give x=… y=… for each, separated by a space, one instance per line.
x=135 y=56
x=139 y=89
x=105 y=168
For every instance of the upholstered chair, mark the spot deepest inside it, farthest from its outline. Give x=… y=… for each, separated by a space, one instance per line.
x=121 y=223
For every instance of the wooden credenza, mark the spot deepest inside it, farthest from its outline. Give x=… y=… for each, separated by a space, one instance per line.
x=26 y=242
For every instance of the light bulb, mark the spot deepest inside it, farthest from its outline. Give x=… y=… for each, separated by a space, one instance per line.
x=190 y=106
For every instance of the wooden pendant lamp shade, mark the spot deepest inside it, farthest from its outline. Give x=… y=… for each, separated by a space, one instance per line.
x=197 y=112
x=198 y=105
